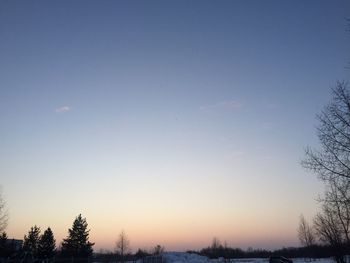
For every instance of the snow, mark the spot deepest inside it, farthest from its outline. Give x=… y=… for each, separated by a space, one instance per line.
x=317 y=260
x=181 y=257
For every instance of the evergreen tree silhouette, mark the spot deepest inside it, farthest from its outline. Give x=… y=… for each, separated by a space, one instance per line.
x=47 y=245
x=77 y=243
x=30 y=245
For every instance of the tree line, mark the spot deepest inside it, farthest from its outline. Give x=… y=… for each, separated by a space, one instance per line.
x=39 y=247
x=76 y=247
x=219 y=250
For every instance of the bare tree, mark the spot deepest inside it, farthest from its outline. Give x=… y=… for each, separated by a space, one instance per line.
x=122 y=245
x=215 y=244
x=305 y=233
x=158 y=250
x=331 y=163
x=328 y=228
x=3 y=214
x=337 y=200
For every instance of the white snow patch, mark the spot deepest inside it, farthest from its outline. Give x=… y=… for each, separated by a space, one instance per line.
x=181 y=257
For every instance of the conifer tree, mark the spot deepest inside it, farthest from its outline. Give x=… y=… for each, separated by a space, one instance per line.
x=30 y=245
x=47 y=245
x=77 y=243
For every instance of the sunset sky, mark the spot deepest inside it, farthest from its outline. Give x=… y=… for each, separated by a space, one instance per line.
x=175 y=121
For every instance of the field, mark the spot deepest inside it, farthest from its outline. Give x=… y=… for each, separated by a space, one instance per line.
x=180 y=257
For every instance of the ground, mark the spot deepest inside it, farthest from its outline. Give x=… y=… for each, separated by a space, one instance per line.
x=180 y=257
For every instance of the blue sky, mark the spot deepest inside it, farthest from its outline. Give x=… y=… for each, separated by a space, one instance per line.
x=191 y=113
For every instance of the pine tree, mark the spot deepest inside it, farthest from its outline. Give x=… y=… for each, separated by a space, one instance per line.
x=47 y=245
x=77 y=243
x=30 y=245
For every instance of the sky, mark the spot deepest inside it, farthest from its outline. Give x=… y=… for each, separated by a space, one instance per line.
x=175 y=121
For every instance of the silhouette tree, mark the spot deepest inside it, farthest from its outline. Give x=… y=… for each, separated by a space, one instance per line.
x=3 y=238
x=331 y=163
x=47 y=245
x=305 y=233
x=141 y=253
x=3 y=214
x=158 y=249
x=122 y=245
x=3 y=245
x=215 y=244
x=329 y=230
x=31 y=242
x=77 y=244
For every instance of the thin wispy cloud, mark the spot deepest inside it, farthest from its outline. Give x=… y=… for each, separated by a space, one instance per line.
x=63 y=109
x=228 y=104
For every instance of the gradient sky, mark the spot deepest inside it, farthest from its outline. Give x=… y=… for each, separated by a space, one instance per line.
x=176 y=121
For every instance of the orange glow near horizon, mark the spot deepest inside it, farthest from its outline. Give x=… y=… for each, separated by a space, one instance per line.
x=174 y=122
x=176 y=233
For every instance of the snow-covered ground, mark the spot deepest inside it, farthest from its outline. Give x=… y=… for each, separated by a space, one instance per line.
x=180 y=257
x=317 y=260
